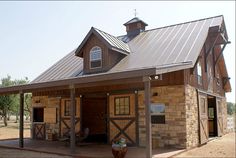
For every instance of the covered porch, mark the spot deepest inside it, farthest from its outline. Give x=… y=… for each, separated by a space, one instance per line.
x=76 y=87
x=85 y=150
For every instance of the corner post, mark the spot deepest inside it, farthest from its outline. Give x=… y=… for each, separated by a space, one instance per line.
x=72 y=118
x=21 y=129
x=147 y=88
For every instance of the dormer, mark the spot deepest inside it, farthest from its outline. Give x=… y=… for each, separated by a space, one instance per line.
x=134 y=27
x=101 y=51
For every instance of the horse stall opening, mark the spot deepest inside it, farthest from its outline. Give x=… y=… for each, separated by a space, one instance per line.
x=94 y=117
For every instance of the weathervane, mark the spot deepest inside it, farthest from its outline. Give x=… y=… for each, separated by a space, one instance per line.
x=135 y=13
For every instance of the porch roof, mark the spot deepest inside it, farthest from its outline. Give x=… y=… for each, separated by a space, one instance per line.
x=85 y=79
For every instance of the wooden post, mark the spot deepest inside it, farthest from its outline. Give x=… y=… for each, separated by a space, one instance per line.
x=21 y=129
x=72 y=119
x=147 y=87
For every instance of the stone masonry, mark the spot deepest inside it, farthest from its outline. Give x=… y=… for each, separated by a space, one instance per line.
x=181 y=117
x=173 y=132
x=192 y=128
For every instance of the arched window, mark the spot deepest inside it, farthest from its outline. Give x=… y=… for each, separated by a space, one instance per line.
x=95 y=57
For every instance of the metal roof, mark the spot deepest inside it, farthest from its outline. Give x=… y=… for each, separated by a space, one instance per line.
x=111 y=42
x=164 y=49
x=134 y=20
x=114 y=41
x=171 y=45
x=68 y=67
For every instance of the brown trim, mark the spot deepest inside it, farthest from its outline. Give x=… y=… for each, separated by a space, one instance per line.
x=59 y=116
x=136 y=118
x=122 y=130
x=147 y=89
x=80 y=113
x=108 y=118
x=72 y=118
x=21 y=130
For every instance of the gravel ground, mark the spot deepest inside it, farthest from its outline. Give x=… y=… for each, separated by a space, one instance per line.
x=221 y=147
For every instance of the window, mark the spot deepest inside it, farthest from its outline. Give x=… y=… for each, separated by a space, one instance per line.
x=122 y=106
x=158 y=113
x=95 y=57
x=67 y=108
x=199 y=73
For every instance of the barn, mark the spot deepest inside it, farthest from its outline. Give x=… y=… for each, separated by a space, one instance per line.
x=163 y=87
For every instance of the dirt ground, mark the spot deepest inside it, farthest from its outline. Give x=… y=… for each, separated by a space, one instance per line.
x=15 y=153
x=221 y=147
x=12 y=130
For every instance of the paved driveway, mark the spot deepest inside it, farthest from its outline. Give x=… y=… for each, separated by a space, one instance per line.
x=220 y=147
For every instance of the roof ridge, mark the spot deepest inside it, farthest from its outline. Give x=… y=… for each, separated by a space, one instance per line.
x=108 y=34
x=176 y=24
x=183 y=23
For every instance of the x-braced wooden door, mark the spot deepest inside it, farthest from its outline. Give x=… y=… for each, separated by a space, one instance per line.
x=65 y=116
x=203 y=118
x=39 y=130
x=219 y=117
x=122 y=118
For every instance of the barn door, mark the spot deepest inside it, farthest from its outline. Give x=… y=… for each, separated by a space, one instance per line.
x=39 y=130
x=65 y=116
x=203 y=118
x=219 y=117
x=122 y=118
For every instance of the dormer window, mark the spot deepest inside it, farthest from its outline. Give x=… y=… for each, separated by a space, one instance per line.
x=95 y=57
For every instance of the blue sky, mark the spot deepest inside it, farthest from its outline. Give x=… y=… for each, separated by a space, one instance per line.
x=34 y=35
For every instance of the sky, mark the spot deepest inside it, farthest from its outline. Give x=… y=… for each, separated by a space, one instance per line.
x=36 y=34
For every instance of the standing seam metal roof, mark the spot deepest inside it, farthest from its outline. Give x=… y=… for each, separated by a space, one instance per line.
x=168 y=45
x=167 y=49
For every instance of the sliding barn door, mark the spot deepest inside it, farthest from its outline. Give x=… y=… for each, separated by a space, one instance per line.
x=203 y=118
x=219 y=117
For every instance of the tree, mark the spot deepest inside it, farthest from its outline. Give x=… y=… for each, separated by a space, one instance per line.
x=9 y=104
x=6 y=101
x=230 y=108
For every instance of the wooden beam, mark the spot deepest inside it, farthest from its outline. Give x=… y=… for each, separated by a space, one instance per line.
x=213 y=45
x=147 y=87
x=21 y=129
x=136 y=118
x=72 y=119
x=221 y=52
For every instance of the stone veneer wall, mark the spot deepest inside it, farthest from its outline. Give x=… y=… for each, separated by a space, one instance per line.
x=224 y=115
x=173 y=132
x=191 y=116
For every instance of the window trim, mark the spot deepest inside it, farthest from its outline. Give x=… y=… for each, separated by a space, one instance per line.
x=115 y=113
x=65 y=104
x=92 y=60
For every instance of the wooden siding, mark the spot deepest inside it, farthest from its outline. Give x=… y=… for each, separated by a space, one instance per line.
x=109 y=57
x=212 y=81
x=122 y=125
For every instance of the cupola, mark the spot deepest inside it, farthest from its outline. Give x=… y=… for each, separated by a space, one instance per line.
x=134 y=27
